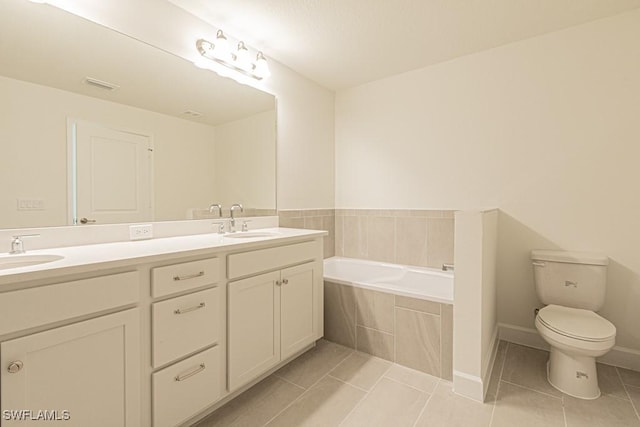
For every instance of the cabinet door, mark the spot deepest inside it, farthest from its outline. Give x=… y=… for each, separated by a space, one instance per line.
x=297 y=308
x=90 y=369
x=254 y=327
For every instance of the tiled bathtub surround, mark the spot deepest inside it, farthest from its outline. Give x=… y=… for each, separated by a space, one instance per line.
x=409 y=331
x=312 y=219
x=403 y=236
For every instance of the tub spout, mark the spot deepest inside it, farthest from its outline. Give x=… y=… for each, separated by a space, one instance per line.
x=447 y=267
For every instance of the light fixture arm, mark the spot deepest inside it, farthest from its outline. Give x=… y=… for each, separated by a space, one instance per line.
x=239 y=61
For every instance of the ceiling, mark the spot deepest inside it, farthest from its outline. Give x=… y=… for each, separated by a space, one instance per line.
x=51 y=47
x=345 y=43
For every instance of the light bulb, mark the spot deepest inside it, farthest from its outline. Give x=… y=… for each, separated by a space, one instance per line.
x=221 y=47
x=243 y=59
x=261 y=68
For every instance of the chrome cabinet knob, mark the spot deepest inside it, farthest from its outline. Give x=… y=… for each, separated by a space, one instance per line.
x=15 y=367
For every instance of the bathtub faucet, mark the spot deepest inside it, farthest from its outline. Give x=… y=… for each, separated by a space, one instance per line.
x=447 y=267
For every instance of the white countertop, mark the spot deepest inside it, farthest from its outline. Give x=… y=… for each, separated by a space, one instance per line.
x=112 y=255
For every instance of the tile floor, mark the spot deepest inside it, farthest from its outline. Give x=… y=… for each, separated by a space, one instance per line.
x=332 y=385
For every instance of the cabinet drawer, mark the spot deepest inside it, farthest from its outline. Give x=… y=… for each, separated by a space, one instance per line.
x=29 y=308
x=181 y=277
x=180 y=391
x=254 y=262
x=185 y=324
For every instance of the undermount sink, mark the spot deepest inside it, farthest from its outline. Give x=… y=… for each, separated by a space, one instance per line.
x=251 y=234
x=15 y=261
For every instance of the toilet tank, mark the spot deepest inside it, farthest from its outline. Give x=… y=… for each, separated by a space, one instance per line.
x=570 y=279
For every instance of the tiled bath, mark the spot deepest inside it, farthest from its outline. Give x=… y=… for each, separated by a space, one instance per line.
x=411 y=332
x=423 y=238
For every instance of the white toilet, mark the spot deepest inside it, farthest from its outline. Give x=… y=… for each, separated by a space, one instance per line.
x=572 y=286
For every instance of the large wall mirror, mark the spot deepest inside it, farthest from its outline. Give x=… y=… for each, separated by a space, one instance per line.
x=95 y=124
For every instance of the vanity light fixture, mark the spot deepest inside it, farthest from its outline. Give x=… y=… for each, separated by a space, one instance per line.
x=240 y=60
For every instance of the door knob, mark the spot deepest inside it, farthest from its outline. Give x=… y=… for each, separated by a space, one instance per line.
x=15 y=366
x=86 y=220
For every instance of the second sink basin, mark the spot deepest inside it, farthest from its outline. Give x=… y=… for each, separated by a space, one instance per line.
x=251 y=234
x=15 y=261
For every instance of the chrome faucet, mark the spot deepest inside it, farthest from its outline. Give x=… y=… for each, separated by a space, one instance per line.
x=17 y=246
x=216 y=205
x=232 y=225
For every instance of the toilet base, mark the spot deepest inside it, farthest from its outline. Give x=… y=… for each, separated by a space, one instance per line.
x=573 y=375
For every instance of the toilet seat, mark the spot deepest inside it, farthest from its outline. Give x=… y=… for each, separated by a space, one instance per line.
x=576 y=324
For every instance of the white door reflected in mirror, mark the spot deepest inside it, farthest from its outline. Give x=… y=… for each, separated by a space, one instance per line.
x=110 y=173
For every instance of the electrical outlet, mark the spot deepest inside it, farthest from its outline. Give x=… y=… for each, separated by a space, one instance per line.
x=140 y=232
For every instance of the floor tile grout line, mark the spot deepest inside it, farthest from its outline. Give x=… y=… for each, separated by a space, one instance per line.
x=495 y=398
x=364 y=397
x=409 y=385
x=534 y=390
x=348 y=383
x=288 y=382
x=415 y=423
x=307 y=390
x=626 y=391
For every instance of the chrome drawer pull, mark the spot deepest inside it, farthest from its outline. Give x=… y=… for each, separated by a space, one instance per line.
x=189 y=276
x=190 y=374
x=186 y=310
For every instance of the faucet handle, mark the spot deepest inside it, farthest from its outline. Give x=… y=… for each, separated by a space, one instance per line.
x=245 y=225
x=17 y=246
x=220 y=225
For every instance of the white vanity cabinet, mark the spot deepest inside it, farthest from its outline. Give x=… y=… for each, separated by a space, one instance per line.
x=186 y=335
x=87 y=371
x=272 y=316
x=156 y=340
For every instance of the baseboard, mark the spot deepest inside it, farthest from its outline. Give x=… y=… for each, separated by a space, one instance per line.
x=618 y=356
x=489 y=362
x=524 y=336
x=622 y=357
x=468 y=386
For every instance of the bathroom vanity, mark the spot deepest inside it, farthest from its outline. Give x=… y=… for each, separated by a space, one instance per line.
x=157 y=332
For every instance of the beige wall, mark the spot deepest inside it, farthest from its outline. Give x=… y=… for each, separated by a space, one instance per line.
x=33 y=136
x=305 y=110
x=545 y=129
x=245 y=164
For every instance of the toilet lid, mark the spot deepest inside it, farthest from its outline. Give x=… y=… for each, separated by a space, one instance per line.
x=577 y=323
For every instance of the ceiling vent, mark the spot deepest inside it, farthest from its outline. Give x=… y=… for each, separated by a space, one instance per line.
x=100 y=84
x=192 y=113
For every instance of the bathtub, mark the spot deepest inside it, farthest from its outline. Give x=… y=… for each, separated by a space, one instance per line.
x=414 y=282
x=400 y=313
